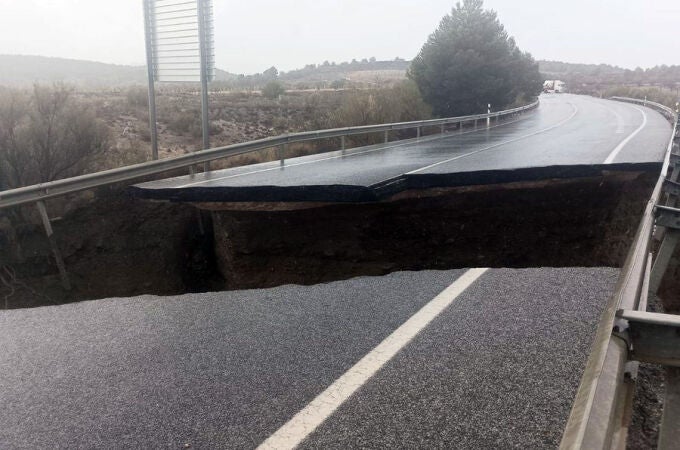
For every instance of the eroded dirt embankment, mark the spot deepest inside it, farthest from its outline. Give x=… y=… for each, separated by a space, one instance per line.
x=118 y=246
x=578 y=222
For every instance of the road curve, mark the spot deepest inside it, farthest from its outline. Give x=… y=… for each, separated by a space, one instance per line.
x=567 y=134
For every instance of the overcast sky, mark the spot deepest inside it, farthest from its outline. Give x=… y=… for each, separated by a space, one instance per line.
x=253 y=35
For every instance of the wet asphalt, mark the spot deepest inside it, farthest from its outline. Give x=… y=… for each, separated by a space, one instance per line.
x=566 y=130
x=498 y=368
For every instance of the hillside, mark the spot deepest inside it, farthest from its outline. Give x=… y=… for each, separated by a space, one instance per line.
x=591 y=78
x=24 y=70
x=365 y=71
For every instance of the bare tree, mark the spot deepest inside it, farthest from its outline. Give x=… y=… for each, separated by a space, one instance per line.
x=13 y=157
x=47 y=135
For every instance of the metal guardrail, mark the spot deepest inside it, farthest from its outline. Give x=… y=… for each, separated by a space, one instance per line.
x=663 y=109
x=41 y=192
x=599 y=415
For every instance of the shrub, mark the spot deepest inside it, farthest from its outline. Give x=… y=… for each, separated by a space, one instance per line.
x=273 y=90
x=664 y=96
x=138 y=97
x=401 y=103
x=46 y=135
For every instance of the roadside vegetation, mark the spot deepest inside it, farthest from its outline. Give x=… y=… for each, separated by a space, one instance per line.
x=665 y=96
x=46 y=134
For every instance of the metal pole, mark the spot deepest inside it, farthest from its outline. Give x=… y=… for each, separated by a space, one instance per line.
x=387 y=136
x=418 y=133
x=342 y=143
x=148 y=28
x=205 y=119
x=65 y=282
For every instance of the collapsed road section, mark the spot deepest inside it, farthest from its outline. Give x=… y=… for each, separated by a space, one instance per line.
x=470 y=359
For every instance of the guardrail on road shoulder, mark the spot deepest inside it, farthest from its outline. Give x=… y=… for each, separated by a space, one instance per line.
x=41 y=192
x=601 y=408
x=663 y=109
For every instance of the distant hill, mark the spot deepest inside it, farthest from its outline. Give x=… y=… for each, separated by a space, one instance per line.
x=359 y=71
x=24 y=70
x=590 y=78
x=21 y=70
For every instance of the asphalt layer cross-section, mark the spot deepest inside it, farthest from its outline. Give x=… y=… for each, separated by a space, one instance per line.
x=568 y=135
x=498 y=368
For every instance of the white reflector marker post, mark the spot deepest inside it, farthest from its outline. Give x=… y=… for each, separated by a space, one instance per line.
x=315 y=413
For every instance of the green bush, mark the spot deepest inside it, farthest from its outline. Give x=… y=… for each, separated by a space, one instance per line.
x=273 y=90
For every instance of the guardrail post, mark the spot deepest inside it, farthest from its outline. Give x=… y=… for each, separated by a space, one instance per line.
x=418 y=134
x=663 y=258
x=475 y=124
x=65 y=282
x=488 y=119
x=442 y=129
x=387 y=136
x=342 y=143
x=669 y=218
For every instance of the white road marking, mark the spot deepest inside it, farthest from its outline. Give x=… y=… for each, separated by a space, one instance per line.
x=620 y=123
x=465 y=155
x=617 y=150
x=315 y=413
x=619 y=120
x=427 y=138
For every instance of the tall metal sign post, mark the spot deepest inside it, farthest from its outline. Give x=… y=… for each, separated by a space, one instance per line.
x=180 y=48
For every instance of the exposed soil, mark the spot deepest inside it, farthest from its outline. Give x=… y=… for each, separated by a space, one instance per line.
x=579 y=222
x=670 y=286
x=118 y=246
x=114 y=246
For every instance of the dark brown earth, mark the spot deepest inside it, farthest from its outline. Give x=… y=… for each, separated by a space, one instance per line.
x=579 y=222
x=118 y=246
x=113 y=247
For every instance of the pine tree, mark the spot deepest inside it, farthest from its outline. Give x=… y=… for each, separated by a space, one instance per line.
x=470 y=61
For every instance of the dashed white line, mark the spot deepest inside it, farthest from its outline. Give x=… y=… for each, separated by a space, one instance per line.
x=315 y=413
x=617 y=150
x=465 y=155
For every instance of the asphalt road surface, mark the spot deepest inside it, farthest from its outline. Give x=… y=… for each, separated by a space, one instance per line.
x=566 y=136
x=449 y=359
